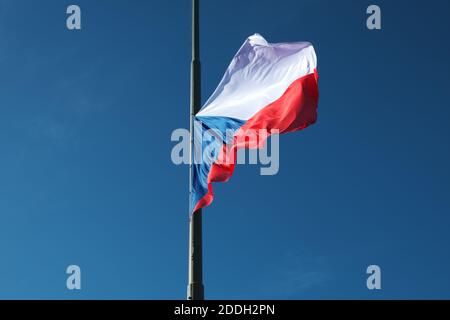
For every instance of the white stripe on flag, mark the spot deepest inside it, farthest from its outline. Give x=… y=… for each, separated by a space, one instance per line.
x=259 y=74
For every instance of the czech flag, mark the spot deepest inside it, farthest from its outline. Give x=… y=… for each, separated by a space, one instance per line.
x=267 y=86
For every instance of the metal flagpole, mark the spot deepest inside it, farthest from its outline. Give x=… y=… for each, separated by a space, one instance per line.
x=195 y=286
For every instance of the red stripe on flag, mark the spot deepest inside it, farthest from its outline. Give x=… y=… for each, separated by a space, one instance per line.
x=295 y=110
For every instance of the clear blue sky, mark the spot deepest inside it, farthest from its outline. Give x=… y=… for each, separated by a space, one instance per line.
x=86 y=176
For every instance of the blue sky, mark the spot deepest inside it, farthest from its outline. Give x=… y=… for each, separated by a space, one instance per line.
x=86 y=176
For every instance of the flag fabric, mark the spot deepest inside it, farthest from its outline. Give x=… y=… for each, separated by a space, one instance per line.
x=266 y=86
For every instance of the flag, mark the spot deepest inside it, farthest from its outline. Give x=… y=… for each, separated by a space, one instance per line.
x=266 y=87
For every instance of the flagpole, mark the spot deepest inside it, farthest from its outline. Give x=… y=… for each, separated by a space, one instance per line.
x=195 y=286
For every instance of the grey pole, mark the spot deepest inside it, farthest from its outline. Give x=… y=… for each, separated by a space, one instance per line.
x=195 y=287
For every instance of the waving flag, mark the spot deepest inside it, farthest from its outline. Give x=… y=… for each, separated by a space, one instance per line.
x=267 y=86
